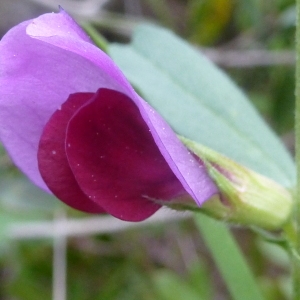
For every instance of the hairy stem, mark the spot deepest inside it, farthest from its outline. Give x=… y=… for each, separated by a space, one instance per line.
x=296 y=261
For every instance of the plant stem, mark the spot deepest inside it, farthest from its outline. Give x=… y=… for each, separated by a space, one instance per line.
x=295 y=259
x=97 y=38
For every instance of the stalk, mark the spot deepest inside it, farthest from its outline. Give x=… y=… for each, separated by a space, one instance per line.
x=295 y=257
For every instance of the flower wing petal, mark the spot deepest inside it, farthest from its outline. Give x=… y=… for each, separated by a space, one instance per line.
x=52 y=159
x=115 y=159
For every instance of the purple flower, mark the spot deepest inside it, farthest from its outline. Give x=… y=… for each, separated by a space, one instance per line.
x=74 y=125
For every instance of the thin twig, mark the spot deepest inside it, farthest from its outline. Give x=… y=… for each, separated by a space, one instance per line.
x=86 y=226
x=59 y=260
x=250 y=58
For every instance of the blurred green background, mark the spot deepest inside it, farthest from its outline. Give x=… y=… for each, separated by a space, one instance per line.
x=253 y=40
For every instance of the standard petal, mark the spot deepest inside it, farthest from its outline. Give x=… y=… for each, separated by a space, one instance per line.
x=36 y=77
x=115 y=159
x=61 y=24
x=53 y=163
x=61 y=31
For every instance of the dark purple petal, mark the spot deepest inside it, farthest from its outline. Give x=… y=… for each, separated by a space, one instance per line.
x=53 y=163
x=115 y=159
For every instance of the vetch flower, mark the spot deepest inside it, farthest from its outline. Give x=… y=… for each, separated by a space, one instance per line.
x=73 y=124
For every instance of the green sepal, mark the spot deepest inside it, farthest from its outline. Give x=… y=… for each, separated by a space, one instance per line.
x=245 y=197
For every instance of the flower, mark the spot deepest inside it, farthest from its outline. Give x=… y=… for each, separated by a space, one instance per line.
x=73 y=124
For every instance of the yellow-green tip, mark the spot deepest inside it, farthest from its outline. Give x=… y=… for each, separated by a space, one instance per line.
x=246 y=197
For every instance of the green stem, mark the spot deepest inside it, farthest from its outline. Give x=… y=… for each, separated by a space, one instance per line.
x=295 y=259
x=97 y=38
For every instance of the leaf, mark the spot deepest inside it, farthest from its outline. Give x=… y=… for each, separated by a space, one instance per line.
x=200 y=102
x=200 y=280
x=171 y=287
x=229 y=259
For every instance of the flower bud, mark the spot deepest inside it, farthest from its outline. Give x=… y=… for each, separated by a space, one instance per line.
x=245 y=197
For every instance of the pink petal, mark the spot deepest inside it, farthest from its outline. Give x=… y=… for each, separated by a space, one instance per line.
x=36 y=77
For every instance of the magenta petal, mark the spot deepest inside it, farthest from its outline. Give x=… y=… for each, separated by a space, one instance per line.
x=53 y=163
x=115 y=159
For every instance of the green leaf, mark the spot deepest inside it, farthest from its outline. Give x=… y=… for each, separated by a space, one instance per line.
x=200 y=280
x=229 y=259
x=171 y=287
x=200 y=102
